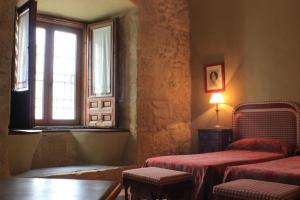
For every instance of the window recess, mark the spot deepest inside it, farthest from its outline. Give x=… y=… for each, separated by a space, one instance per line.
x=68 y=78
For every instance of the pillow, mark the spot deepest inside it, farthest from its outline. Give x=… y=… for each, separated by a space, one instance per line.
x=263 y=144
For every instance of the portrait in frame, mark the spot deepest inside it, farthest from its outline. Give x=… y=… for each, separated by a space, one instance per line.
x=214 y=77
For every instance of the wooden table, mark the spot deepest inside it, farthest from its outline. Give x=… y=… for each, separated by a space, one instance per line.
x=56 y=189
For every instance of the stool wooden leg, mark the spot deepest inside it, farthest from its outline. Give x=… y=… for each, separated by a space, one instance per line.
x=188 y=195
x=126 y=192
x=188 y=191
x=153 y=197
x=158 y=196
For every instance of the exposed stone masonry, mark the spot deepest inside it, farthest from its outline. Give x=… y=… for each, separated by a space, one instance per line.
x=164 y=80
x=7 y=10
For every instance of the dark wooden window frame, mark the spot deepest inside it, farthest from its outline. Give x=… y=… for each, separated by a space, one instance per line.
x=22 y=107
x=51 y=24
x=100 y=112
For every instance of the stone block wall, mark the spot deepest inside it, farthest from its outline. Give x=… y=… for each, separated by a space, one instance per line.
x=7 y=10
x=163 y=78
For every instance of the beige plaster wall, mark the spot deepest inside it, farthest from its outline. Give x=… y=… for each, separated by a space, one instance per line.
x=128 y=34
x=65 y=148
x=260 y=45
x=107 y=148
x=21 y=149
x=164 y=81
x=55 y=149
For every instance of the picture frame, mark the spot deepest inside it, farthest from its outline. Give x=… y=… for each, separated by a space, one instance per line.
x=214 y=77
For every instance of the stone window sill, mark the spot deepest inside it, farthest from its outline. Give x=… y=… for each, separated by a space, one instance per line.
x=49 y=129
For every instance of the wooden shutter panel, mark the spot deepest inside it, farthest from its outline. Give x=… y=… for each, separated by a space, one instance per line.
x=101 y=112
x=101 y=106
x=22 y=98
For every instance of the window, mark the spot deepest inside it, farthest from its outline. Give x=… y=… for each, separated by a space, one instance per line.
x=40 y=73
x=64 y=76
x=22 y=51
x=101 y=75
x=101 y=61
x=68 y=77
x=57 y=79
x=22 y=91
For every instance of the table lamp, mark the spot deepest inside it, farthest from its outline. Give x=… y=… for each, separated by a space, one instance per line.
x=216 y=99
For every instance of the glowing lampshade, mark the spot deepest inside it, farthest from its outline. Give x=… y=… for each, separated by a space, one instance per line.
x=216 y=98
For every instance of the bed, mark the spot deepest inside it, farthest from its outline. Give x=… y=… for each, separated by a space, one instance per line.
x=285 y=170
x=275 y=120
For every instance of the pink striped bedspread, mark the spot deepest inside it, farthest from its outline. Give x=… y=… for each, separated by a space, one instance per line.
x=285 y=170
x=208 y=168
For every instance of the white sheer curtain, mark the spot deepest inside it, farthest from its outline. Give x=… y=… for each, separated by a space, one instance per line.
x=101 y=61
x=22 y=63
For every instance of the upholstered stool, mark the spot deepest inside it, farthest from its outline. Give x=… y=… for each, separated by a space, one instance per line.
x=245 y=189
x=157 y=183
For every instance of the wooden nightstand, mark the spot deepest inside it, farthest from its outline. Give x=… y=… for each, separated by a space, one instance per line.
x=211 y=140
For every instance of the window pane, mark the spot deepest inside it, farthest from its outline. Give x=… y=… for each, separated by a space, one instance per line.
x=101 y=61
x=22 y=52
x=64 y=76
x=39 y=77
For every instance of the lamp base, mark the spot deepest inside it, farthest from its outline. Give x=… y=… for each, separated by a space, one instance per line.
x=217 y=126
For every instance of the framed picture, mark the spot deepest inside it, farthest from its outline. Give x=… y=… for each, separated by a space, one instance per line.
x=214 y=78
